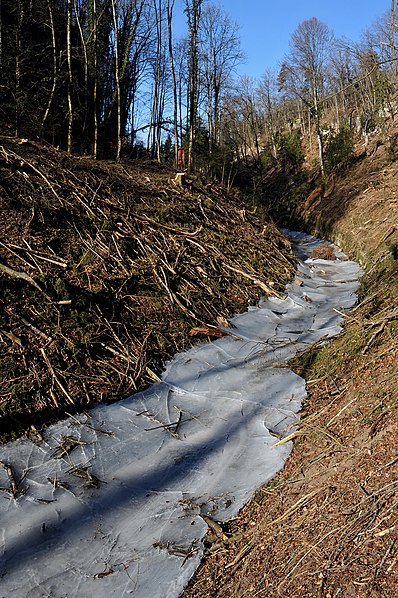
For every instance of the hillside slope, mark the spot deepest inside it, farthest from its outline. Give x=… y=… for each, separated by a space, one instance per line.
x=106 y=268
x=326 y=526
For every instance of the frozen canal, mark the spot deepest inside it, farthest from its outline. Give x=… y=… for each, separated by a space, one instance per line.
x=111 y=503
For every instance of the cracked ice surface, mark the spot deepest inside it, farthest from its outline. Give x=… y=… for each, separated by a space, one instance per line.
x=110 y=503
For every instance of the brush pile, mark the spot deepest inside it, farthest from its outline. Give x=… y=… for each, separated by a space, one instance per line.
x=106 y=268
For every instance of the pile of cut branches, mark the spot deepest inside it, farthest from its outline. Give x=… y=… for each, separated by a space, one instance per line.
x=104 y=270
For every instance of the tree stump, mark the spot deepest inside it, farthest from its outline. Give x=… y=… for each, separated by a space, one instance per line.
x=180 y=179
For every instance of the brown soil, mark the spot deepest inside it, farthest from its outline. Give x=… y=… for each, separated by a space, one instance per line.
x=145 y=262
x=106 y=268
x=326 y=526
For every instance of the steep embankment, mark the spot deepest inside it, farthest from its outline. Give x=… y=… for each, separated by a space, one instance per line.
x=326 y=526
x=106 y=268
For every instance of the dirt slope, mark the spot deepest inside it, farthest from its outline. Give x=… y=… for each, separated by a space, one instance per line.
x=128 y=278
x=106 y=268
x=327 y=525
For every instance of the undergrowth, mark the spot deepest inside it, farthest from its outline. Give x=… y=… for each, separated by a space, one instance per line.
x=375 y=316
x=105 y=270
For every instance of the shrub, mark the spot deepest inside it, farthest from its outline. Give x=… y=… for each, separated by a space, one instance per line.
x=290 y=152
x=392 y=150
x=393 y=249
x=339 y=150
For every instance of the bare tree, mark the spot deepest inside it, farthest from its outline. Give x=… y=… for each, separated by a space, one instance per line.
x=342 y=73
x=266 y=93
x=241 y=117
x=393 y=25
x=55 y=66
x=159 y=86
x=70 y=73
x=126 y=18
x=310 y=48
x=1 y=36
x=220 y=53
x=95 y=77
x=193 y=10
x=117 y=78
x=170 y=8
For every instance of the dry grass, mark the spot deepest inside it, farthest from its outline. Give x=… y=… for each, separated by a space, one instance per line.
x=106 y=268
x=326 y=526
x=323 y=252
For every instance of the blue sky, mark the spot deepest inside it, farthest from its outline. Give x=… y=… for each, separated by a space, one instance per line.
x=266 y=25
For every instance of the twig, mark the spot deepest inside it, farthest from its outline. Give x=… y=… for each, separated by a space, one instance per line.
x=128 y=359
x=364 y=302
x=373 y=337
x=39 y=332
x=288 y=438
x=14 y=486
x=178 y=423
x=169 y=228
x=24 y=276
x=11 y=336
x=66 y=446
x=23 y=161
x=297 y=505
x=347 y=315
x=20 y=257
x=310 y=550
x=255 y=280
x=383 y=560
x=340 y=412
x=55 y=377
x=167 y=426
x=241 y=554
x=47 y=259
x=215 y=527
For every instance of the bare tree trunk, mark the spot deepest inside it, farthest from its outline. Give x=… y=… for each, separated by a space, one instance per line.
x=393 y=27
x=1 y=37
x=129 y=28
x=254 y=128
x=18 y=70
x=117 y=82
x=336 y=104
x=271 y=128
x=84 y=46
x=162 y=100
x=210 y=119
x=55 y=75
x=318 y=127
x=193 y=11
x=70 y=75
x=154 y=133
x=150 y=143
x=95 y=88
x=300 y=115
x=170 y=8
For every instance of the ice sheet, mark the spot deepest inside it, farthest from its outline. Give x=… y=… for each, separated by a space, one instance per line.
x=111 y=502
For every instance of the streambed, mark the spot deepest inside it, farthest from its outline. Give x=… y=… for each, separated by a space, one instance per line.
x=112 y=502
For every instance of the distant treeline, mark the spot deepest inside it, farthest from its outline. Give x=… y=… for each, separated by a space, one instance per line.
x=102 y=77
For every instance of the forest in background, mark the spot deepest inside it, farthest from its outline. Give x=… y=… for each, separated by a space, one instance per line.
x=108 y=267
x=108 y=78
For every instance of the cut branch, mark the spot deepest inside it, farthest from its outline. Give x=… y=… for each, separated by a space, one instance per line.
x=23 y=276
